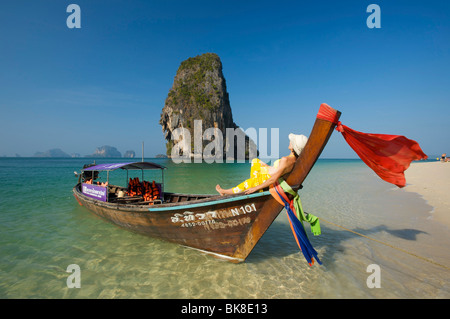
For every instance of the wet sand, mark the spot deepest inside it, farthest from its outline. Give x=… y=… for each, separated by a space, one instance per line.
x=432 y=181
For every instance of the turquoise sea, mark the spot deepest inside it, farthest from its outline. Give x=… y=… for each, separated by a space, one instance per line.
x=44 y=230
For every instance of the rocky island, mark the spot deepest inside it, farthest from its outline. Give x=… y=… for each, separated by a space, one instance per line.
x=129 y=154
x=197 y=101
x=106 y=151
x=55 y=152
x=102 y=151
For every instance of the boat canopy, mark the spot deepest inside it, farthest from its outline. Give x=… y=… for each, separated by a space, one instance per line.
x=127 y=166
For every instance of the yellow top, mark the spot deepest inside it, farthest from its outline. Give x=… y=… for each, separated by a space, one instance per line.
x=276 y=164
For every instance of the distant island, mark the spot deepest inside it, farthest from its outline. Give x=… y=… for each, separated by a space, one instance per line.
x=129 y=154
x=104 y=151
x=55 y=152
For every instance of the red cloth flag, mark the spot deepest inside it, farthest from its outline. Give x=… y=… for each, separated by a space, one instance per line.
x=387 y=155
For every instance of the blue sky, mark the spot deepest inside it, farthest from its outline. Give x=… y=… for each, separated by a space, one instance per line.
x=106 y=83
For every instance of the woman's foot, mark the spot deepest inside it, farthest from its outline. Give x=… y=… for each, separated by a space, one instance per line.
x=222 y=191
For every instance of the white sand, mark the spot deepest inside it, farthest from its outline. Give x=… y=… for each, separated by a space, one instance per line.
x=432 y=181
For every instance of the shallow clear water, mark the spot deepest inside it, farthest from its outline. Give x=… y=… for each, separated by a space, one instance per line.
x=43 y=230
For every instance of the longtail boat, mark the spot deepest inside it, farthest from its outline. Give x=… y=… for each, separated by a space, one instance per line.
x=227 y=227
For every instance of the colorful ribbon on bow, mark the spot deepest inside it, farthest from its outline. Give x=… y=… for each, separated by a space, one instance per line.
x=296 y=216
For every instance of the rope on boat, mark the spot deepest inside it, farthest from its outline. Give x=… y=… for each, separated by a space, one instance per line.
x=389 y=245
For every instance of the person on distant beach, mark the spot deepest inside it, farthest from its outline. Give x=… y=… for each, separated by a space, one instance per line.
x=263 y=175
x=444 y=157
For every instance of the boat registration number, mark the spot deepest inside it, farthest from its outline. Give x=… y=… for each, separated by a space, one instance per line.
x=190 y=219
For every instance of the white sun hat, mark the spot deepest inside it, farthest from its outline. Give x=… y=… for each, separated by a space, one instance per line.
x=298 y=142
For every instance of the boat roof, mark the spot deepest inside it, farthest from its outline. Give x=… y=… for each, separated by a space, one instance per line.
x=130 y=165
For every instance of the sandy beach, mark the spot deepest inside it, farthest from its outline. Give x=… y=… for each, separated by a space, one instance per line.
x=432 y=181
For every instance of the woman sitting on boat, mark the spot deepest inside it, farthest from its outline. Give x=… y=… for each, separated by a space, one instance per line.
x=263 y=175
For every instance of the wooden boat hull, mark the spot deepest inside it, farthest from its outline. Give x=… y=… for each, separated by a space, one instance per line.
x=217 y=226
x=226 y=227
